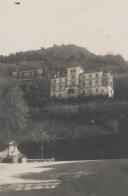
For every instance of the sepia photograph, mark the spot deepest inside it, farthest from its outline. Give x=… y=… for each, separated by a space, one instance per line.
x=63 y=98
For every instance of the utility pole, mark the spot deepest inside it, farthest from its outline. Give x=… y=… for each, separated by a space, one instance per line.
x=44 y=137
x=42 y=146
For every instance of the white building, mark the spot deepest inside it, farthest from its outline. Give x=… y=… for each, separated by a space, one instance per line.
x=12 y=155
x=97 y=83
x=79 y=83
x=58 y=86
x=72 y=85
x=26 y=75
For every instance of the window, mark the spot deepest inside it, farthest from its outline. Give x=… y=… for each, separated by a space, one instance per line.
x=71 y=91
x=97 y=82
x=84 y=77
x=90 y=83
x=73 y=77
x=60 y=86
x=73 y=70
x=83 y=92
x=97 y=90
x=53 y=88
x=93 y=83
x=103 y=92
x=90 y=91
x=87 y=83
x=73 y=82
x=26 y=74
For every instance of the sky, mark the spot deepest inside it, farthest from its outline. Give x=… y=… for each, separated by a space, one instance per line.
x=99 y=25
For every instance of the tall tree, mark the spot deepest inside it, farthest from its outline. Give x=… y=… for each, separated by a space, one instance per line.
x=13 y=110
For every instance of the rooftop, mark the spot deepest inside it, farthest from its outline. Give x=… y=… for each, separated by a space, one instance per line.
x=75 y=66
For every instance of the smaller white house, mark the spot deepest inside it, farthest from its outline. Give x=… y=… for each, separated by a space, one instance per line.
x=12 y=154
x=26 y=75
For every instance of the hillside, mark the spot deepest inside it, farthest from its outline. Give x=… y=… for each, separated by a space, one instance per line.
x=58 y=58
x=80 y=119
x=72 y=118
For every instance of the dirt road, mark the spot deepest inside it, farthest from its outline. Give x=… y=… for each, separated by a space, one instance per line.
x=82 y=178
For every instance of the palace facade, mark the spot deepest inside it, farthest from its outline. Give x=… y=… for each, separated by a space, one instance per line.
x=79 y=83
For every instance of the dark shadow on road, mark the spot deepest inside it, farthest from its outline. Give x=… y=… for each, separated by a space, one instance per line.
x=91 y=178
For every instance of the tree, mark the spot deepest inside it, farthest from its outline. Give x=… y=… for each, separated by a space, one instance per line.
x=13 y=110
x=40 y=136
x=121 y=87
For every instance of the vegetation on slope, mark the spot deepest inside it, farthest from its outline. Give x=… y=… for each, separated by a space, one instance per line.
x=58 y=58
x=61 y=119
x=13 y=110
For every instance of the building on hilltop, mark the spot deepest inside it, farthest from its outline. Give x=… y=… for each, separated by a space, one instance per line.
x=27 y=75
x=79 y=83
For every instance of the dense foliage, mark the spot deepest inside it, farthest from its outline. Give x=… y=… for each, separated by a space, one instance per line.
x=13 y=110
x=58 y=58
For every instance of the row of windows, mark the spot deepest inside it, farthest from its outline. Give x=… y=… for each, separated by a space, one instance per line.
x=73 y=71
x=85 y=92
x=58 y=89
x=73 y=77
x=58 y=85
x=84 y=77
x=73 y=82
x=90 y=83
x=58 y=95
x=92 y=91
x=86 y=83
x=108 y=82
x=96 y=91
x=91 y=75
x=58 y=80
x=27 y=75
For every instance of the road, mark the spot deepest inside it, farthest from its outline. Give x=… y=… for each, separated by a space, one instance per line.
x=78 y=178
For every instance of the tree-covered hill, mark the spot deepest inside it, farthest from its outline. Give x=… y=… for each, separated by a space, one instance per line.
x=58 y=58
x=61 y=119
